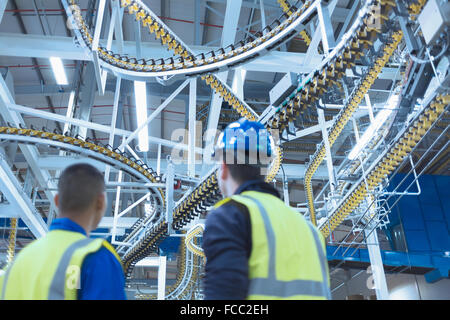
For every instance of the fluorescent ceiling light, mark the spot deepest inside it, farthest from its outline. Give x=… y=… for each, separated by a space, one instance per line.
x=140 y=95
x=58 y=70
x=379 y=120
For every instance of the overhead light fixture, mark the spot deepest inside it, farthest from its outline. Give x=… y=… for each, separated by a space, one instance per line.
x=376 y=124
x=58 y=71
x=140 y=95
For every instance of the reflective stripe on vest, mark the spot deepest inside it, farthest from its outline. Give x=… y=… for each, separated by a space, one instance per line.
x=57 y=287
x=5 y=279
x=270 y=286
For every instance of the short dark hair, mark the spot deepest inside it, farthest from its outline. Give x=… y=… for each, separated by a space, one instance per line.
x=78 y=187
x=245 y=172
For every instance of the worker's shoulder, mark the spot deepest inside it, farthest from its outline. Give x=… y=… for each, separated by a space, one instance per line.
x=231 y=214
x=103 y=256
x=231 y=207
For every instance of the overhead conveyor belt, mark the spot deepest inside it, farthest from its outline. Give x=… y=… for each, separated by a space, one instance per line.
x=114 y=158
x=355 y=42
x=185 y=61
x=345 y=115
x=351 y=106
x=393 y=157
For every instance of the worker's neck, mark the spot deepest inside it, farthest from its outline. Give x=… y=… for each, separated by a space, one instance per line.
x=82 y=219
x=232 y=186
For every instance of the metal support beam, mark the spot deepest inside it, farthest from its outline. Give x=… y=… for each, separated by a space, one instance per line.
x=238 y=82
x=19 y=45
x=263 y=14
x=86 y=98
x=118 y=31
x=192 y=126
x=12 y=190
x=329 y=159
x=162 y=278
x=2 y=9
x=379 y=278
x=113 y=121
x=348 y=18
x=155 y=113
x=315 y=40
x=30 y=153
x=197 y=25
x=326 y=28
x=310 y=130
x=93 y=126
x=100 y=74
x=169 y=195
x=116 y=212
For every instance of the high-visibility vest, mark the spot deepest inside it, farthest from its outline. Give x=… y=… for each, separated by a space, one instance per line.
x=50 y=267
x=288 y=258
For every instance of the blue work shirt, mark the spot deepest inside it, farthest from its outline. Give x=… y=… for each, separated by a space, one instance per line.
x=102 y=275
x=227 y=242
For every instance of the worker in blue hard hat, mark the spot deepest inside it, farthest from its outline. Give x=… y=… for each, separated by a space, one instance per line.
x=256 y=246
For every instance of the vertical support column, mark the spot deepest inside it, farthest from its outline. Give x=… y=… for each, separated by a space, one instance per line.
x=113 y=122
x=326 y=28
x=51 y=213
x=69 y=113
x=100 y=74
x=28 y=183
x=379 y=278
x=355 y=128
x=118 y=32
x=369 y=106
x=158 y=160
x=137 y=35
x=232 y=13
x=116 y=209
x=315 y=40
x=192 y=131
x=170 y=171
x=86 y=97
x=2 y=9
x=197 y=12
x=285 y=192
x=162 y=277
x=263 y=14
x=327 y=150
x=238 y=82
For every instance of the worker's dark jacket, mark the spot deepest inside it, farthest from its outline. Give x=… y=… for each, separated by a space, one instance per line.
x=227 y=242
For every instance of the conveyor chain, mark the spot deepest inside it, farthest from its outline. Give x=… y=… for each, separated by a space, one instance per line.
x=391 y=159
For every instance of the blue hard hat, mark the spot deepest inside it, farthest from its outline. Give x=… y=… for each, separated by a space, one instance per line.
x=245 y=142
